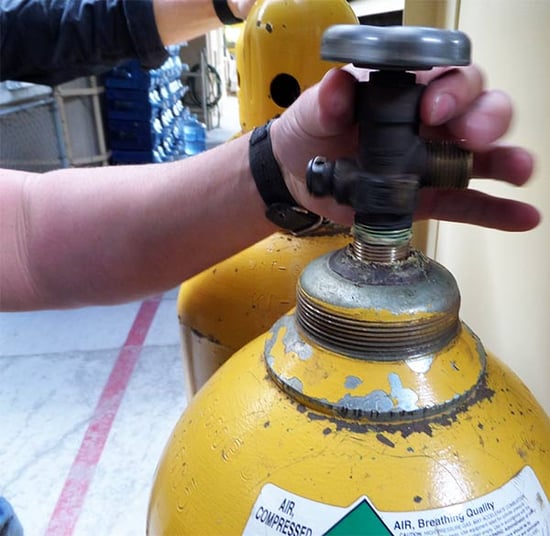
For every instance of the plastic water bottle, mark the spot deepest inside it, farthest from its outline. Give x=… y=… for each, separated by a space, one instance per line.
x=194 y=135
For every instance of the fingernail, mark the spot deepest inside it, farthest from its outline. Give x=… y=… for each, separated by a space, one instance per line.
x=443 y=109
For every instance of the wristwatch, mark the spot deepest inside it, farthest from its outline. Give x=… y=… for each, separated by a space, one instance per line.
x=282 y=208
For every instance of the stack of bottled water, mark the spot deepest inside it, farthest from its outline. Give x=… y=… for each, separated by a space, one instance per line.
x=146 y=120
x=194 y=134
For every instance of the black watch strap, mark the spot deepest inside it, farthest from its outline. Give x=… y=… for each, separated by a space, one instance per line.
x=282 y=209
x=224 y=13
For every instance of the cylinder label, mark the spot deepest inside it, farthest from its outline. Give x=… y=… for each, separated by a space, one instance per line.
x=520 y=507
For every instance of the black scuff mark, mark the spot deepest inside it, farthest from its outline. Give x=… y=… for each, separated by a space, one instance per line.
x=384 y=440
x=201 y=335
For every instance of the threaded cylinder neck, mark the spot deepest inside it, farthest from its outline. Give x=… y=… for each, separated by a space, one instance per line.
x=378 y=311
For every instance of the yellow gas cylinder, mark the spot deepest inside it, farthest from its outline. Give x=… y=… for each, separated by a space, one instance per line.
x=278 y=53
x=371 y=409
x=229 y=304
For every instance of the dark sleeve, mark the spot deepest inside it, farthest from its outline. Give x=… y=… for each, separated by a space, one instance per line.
x=53 y=41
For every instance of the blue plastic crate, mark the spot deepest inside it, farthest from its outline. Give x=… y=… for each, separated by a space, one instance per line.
x=144 y=157
x=133 y=135
x=131 y=157
x=128 y=75
x=129 y=104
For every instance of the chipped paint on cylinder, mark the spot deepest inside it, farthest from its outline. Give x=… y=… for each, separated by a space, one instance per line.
x=384 y=390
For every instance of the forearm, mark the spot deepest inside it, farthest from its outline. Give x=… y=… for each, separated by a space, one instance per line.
x=106 y=235
x=182 y=20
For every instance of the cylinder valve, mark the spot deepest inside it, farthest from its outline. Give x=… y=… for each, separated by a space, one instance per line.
x=394 y=161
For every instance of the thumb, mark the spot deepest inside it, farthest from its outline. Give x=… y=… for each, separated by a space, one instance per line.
x=319 y=122
x=327 y=109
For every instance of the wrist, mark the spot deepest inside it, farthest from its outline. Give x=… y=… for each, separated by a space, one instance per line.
x=282 y=208
x=284 y=157
x=274 y=132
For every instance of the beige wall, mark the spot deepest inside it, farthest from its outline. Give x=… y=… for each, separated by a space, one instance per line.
x=505 y=278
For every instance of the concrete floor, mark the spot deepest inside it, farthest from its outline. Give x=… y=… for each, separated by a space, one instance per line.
x=88 y=399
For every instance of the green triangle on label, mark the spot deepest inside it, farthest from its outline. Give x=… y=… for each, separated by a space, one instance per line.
x=361 y=521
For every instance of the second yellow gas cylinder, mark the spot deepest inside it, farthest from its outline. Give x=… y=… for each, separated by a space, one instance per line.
x=278 y=54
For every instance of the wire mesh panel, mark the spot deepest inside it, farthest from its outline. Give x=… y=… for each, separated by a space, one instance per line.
x=44 y=128
x=30 y=137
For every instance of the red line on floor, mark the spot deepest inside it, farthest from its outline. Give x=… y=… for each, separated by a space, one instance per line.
x=71 y=500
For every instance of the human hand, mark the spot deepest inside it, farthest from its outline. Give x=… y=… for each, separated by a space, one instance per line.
x=454 y=106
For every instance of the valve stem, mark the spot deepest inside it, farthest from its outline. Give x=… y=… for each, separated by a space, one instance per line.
x=380 y=245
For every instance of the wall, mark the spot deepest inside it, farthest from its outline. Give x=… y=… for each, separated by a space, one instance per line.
x=505 y=278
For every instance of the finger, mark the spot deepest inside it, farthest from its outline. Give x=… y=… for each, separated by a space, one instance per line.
x=477 y=208
x=487 y=119
x=449 y=92
x=509 y=164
